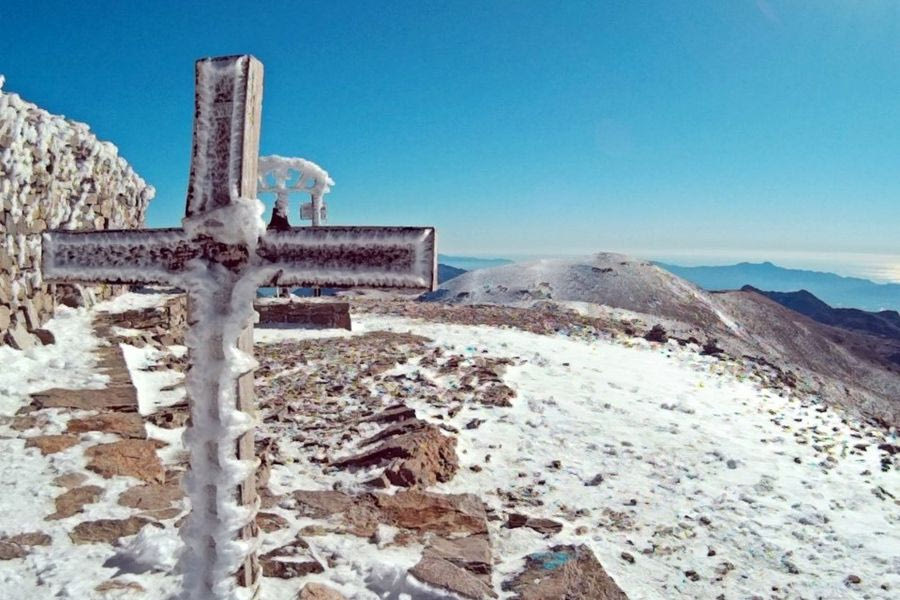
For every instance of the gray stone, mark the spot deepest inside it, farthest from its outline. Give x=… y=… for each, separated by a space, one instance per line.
x=19 y=338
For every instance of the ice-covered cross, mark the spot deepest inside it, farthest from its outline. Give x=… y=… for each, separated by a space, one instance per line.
x=220 y=256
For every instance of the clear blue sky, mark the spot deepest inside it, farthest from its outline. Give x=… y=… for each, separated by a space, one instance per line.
x=720 y=126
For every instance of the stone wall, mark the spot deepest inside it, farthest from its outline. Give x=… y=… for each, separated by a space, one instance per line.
x=326 y=314
x=54 y=174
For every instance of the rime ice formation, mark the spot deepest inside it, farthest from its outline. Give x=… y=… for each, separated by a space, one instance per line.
x=275 y=176
x=222 y=311
x=305 y=256
x=54 y=174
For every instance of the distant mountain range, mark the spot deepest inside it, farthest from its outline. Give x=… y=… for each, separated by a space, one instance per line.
x=446 y=272
x=469 y=263
x=834 y=289
x=885 y=324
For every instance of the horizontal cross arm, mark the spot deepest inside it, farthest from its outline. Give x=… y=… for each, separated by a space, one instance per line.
x=128 y=256
x=389 y=257
x=394 y=257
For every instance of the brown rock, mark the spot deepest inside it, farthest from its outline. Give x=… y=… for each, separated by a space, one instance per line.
x=171 y=417
x=398 y=428
x=120 y=397
x=545 y=526
x=51 y=444
x=398 y=412
x=70 y=480
x=320 y=504
x=23 y=422
x=289 y=561
x=657 y=334
x=106 y=530
x=11 y=550
x=313 y=530
x=163 y=514
x=443 y=514
x=152 y=496
x=133 y=458
x=420 y=457
x=72 y=502
x=472 y=553
x=270 y=522
x=497 y=394
x=128 y=425
x=317 y=591
x=564 y=573
x=445 y=575
x=113 y=585
x=32 y=538
x=44 y=336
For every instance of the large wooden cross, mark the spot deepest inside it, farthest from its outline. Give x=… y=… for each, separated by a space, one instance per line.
x=220 y=256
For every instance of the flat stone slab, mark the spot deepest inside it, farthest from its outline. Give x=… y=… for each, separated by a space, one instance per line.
x=152 y=496
x=423 y=513
x=70 y=480
x=73 y=501
x=106 y=530
x=446 y=575
x=115 y=398
x=51 y=444
x=128 y=425
x=289 y=561
x=119 y=393
x=132 y=458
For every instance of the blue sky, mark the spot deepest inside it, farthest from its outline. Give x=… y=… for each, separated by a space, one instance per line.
x=706 y=128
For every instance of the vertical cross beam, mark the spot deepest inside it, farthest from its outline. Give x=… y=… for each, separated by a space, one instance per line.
x=224 y=162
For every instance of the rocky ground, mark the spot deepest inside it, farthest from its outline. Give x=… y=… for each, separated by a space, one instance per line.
x=466 y=452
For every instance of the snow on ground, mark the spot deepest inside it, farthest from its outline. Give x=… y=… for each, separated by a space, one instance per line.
x=64 y=364
x=27 y=489
x=703 y=471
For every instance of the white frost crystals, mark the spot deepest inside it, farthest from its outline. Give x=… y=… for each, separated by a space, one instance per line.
x=282 y=176
x=239 y=222
x=221 y=311
x=310 y=177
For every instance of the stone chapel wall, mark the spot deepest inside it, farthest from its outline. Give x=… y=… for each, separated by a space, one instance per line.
x=54 y=174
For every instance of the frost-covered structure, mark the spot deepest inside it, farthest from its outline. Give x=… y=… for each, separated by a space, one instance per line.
x=283 y=176
x=220 y=256
x=54 y=174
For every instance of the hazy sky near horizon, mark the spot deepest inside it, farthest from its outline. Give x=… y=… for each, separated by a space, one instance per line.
x=755 y=126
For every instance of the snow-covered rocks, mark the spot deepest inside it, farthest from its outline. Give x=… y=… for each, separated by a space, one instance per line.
x=54 y=174
x=733 y=489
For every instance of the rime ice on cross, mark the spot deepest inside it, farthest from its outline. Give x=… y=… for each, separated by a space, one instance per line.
x=220 y=256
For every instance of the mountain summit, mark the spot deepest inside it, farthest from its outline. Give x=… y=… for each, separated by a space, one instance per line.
x=845 y=367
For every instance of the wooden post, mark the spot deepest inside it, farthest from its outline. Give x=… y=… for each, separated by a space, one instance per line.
x=213 y=185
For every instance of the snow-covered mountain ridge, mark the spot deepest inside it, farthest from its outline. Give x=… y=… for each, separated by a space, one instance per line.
x=844 y=367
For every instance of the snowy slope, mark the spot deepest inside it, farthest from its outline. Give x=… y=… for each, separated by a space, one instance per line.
x=704 y=471
x=614 y=280
x=829 y=361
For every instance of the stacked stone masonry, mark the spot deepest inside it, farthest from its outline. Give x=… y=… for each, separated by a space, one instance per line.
x=54 y=174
